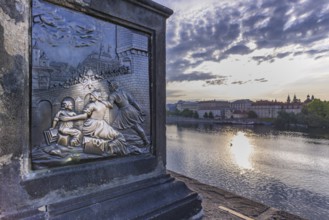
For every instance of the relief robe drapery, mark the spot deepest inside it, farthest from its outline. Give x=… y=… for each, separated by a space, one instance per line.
x=129 y=113
x=95 y=126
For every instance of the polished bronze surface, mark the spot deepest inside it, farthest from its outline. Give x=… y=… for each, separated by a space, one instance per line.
x=86 y=89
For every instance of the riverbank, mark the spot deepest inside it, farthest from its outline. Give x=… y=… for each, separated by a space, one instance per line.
x=245 y=121
x=220 y=204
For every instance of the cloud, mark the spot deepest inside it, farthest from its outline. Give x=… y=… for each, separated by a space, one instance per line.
x=261 y=80
x=215 y=33
x=200 y=55
x=239 y=49
x=175 y=93
x=260 y=59
x=193 y=76
x=240 y=82
x=220 y=80
x=288 y=23
x=201 y=37
x=282 y=55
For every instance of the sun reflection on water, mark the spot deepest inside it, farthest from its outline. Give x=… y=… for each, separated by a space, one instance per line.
x=241 y=150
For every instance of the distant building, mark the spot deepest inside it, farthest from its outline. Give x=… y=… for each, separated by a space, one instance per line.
x=293 y=107
x=240 y=108
x=98 y=62
x=267 y=109
x=62 y=72
x=243 y=105
x=218 y=108
x=228 y=114
x=41 y=69
x=193 y=106
x=48 y=73
x=171 y=107
x=270 y=109
x=238 y=114
x=295 y=100
x=309 y=99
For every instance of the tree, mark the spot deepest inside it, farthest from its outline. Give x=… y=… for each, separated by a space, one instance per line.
x=317 y=107
x=176 y=112
x=252 y=114
x=211 y=115
x=206 y=115
x=315 y=114
x=195 y=114
x=284 y=119
x=187 y=113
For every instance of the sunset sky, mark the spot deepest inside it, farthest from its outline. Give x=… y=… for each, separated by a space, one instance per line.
x=255 y=49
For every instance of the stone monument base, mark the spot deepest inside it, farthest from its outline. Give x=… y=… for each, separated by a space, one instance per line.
x=157 y=198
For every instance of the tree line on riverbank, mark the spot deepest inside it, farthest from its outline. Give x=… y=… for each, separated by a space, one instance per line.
x=185 y=113
x=314 y=114
x=207 y=115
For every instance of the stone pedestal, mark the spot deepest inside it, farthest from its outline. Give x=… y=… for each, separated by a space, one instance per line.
x=40 y=180
x=161 y=197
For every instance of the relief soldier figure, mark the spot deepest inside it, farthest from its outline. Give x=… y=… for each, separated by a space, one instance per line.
x=130 y=114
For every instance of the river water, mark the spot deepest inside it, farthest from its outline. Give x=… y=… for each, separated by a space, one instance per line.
x=288 y=170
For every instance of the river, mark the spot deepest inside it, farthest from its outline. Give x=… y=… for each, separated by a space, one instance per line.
x=288 y=170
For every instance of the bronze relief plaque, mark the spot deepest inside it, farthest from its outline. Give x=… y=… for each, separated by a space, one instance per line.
x=90 y=88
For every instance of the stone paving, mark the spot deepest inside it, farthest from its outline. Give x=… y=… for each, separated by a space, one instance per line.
x=220 y=204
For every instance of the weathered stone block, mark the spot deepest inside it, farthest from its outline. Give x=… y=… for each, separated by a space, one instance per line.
x=41 y=182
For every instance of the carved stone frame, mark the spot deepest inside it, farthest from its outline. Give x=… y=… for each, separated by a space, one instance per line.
x=114 y=171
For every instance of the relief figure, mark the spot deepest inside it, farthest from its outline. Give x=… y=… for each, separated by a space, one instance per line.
x=66 y=129
x=130 y=114
x=95 y=139
x=97 y=132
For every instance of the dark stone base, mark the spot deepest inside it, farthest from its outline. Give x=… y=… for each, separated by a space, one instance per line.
x=158 y=198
